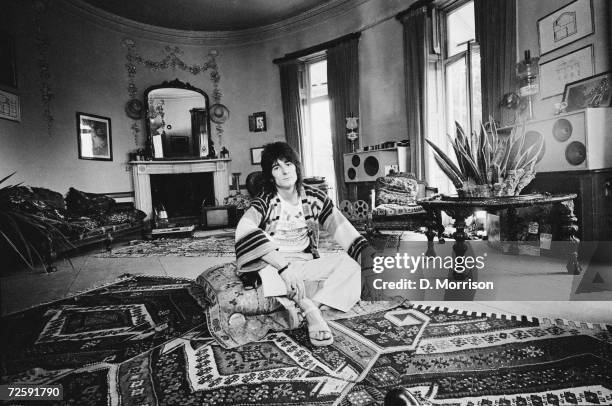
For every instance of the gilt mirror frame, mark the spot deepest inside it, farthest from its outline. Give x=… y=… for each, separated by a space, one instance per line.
x=176 y=84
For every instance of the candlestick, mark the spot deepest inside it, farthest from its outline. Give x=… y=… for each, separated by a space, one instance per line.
x=373 y=195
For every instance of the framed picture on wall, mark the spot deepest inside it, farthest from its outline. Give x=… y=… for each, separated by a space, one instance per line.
x=94 y=137
x=9 y=106
x=594 y=91
x=565 y=25
x=556 y=73
x=257 y=122
x=256 y=155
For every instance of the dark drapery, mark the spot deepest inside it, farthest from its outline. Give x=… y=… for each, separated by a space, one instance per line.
x=496 y=34
x=292 y=109
x=416 y=47
x=343 y=90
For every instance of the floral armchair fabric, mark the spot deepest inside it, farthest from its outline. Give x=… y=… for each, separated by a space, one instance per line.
x=397 y=194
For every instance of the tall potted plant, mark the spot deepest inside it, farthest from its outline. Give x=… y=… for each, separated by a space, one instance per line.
x=489 y=164
x=29 y=236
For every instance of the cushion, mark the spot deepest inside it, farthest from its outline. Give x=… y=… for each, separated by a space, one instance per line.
x=53 y=199
x=121 y=216
x=392 y=209
x=79 y=202
x=237 y=316
x=401 y=189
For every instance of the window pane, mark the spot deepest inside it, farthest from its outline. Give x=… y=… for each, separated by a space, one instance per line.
x=457 y=108
x=318 y=79
x=322 y=154
x=460 y=28
x=476 y=90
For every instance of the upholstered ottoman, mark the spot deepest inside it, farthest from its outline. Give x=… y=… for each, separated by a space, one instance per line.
x=237 y=316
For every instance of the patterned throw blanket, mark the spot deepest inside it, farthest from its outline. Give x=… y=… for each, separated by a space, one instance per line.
x=145 y=341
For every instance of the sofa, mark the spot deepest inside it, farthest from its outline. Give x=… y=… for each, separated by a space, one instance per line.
x=82 y=218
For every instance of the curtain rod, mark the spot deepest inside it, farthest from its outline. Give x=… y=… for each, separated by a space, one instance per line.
x=316 y=48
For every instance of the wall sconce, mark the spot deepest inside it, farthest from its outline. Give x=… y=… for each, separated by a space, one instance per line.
x=352 y=124
x=527 y=71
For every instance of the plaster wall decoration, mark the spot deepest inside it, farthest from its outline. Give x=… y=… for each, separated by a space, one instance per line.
x=40 y=7
x=171 y=60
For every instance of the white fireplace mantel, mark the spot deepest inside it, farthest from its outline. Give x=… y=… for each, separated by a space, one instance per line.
x=142 y=171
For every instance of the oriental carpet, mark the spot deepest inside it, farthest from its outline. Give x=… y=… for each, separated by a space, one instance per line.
x=222 y=245
x=145 y=341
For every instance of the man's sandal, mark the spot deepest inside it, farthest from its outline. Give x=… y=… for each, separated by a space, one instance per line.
x=319 y=327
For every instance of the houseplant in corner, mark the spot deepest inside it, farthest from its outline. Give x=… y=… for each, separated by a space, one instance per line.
x=29 y=236
x=489 y=164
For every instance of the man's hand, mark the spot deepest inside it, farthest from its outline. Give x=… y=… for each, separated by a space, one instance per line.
x=295 y=285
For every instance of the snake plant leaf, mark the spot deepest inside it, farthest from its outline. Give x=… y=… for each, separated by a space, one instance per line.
x=471 y=168
x=449 y=172
x=482 y=158
x=462 y=138
x=6 y=177
x=446 y=159
x=458 y=154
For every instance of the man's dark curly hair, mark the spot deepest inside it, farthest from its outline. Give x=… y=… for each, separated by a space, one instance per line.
x=273 y=152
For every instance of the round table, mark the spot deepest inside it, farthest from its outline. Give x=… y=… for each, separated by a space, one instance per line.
x=460 y=209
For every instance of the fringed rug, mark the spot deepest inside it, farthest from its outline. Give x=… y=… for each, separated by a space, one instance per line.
x=144 y=341
x=220 y=245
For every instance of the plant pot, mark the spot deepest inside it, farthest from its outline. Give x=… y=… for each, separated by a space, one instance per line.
x=472 y=190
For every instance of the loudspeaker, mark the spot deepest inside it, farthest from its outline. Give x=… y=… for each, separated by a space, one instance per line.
x=576 y=141
x=369 y=165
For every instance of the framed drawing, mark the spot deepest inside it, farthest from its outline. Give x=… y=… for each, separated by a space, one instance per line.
x=257 y=122
x=556 y=73
x=256 y=155
x=9 y=106
x=595 y=91
x=565 y=25
x=94 y=137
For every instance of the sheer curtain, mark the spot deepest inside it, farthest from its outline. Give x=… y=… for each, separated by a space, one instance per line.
x=292 y=108
x=416 y=50
x=496 y=34
x=343 y=90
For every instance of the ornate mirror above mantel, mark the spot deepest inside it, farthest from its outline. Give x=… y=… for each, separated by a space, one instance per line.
x=178 y=122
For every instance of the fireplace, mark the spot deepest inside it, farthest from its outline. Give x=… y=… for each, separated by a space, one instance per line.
x=183 y=194
x=213 y=185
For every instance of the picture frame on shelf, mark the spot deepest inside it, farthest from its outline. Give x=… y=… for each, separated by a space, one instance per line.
x=9 y=106
x=256 y=155
x=94 y=137
x=257 y=122
x=594 y=91
x=557 y=72
x=565 y=25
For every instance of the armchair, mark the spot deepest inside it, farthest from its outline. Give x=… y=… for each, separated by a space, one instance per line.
x=396 y=207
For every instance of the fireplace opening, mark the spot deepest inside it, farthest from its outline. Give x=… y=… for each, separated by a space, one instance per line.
x=183 y=195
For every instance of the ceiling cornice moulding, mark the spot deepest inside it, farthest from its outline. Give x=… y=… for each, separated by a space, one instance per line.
x=297 y=23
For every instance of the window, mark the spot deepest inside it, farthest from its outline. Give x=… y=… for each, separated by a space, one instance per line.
x=317 y=140
x=453 y=84
x=461 y=61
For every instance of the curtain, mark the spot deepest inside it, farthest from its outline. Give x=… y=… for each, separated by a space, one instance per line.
x=415 y=72
x=496 y=34
x=343 y=90
x=292 y=110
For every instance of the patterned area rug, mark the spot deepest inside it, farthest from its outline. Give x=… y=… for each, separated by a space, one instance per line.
x=220 y=245
x=144 y=341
